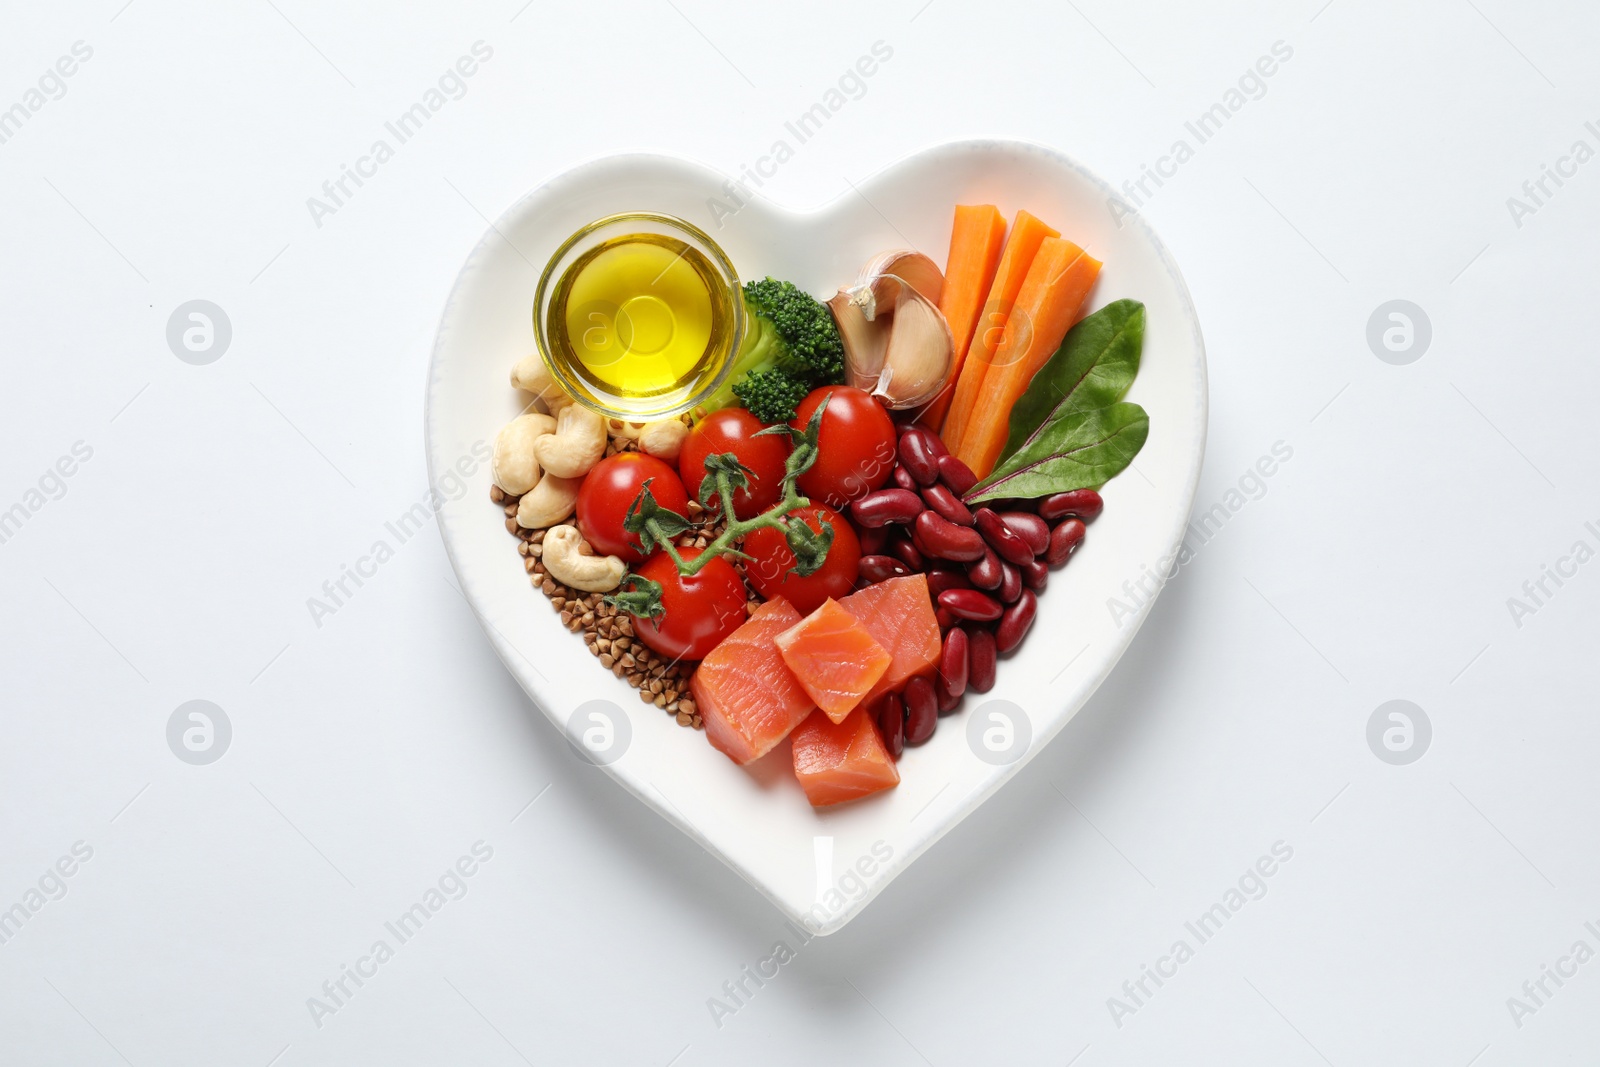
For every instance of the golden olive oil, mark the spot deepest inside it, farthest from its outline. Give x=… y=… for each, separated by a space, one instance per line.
x=641 y=317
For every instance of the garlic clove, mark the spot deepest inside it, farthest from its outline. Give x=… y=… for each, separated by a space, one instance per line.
x=877 y=287
x=919 y=355
x=866 y=342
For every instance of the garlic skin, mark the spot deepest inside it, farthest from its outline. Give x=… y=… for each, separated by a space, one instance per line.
x=902 y=353
x=866 y=342
x=878 y=286
x=920 y=353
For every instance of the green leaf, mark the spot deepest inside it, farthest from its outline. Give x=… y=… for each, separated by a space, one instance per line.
x=810 y=547
x=804 y=452
x=723 y=463
x=1093 y=368
x=1083 y=450
x=1070 y=430
x=655 y=525
x=642 y=601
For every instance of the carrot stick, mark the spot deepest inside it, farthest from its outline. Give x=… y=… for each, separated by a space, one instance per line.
x=1071 y=289
x=975 y=242
x=1027 y=232
x=1047 y=305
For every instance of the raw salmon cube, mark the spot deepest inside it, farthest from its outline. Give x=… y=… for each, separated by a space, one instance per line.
x=899 y=615
x=834 y=657
x=841 y=761
x=747 y=697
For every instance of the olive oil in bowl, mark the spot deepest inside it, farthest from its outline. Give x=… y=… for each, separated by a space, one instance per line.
x=642 y=318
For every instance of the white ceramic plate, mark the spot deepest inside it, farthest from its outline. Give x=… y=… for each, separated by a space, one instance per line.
x=821 y=868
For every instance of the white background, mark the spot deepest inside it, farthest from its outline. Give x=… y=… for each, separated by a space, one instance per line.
x=371 y=752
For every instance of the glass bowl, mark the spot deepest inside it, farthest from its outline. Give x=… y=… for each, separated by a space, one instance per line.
x=589 y=389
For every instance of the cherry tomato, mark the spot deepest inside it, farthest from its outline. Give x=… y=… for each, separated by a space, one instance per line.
x=855 y=450
x=770 y=560
x=608 y=491
x=734 y=430
x=702 y=608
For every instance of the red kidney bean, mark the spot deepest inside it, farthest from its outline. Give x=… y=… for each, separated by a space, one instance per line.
x=942 y=578
x=970 y=604
x=1064 y=541
x=904 y=480
x=892 y=725
x=956 y=474
x=918 y=694
x=1015 y=622
x=953 y=662
x=998 y=534
x=948 y=701
x=887 y=506
x=940 y=537
x=907 y=553
x=922 y=710
x=1010 y=583
x=874 y=540
x=882 y=568
x=947 y=504
x=985 y=573
x=917 y=455
x=935 y=442
x=945 y=620
x=1030 y=527
x=916 y=540
x=1082 y=504
x=1036 y=575
x=981 y=659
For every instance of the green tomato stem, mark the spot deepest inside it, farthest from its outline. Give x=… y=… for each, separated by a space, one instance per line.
x=775 y=516
x=669 y=548
x=722 y=544
x=725 y=497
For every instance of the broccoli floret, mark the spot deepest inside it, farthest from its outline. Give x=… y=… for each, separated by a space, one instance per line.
x=771 y=395
x=811 y=347
x=791 y=346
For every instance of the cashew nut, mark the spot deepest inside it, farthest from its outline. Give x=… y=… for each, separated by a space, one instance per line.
x=516 y=467
x=662 y=439
x=531 y=374
x=568 y=560
x=577 y=444
x=548 y=502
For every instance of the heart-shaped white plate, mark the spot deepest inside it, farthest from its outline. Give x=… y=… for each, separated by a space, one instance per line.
x=821 y=867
